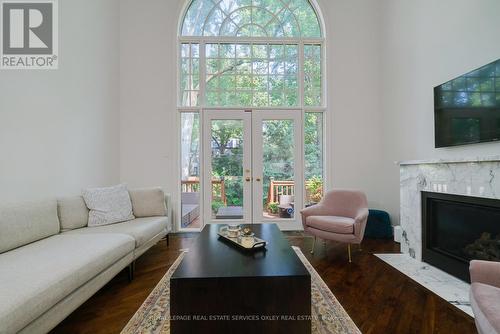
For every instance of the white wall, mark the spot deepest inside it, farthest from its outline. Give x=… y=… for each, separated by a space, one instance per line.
x=149 y=137
x=426 y=43
x=353 y=92
x=59 y=130
x=149 y=124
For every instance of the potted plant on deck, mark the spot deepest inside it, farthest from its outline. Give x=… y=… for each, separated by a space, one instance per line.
x=272 y=208
x=314 y=187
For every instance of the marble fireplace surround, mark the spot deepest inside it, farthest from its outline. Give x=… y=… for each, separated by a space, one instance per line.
x=478 y=177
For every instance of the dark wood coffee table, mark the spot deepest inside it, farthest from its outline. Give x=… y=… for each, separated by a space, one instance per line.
x=219 y=288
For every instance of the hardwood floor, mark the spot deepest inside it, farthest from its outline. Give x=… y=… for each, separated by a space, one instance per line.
x=377 y=297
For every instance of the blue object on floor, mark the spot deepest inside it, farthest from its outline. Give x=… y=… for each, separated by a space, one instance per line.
x=378 y=225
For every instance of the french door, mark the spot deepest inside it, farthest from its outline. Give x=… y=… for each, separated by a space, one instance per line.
x=253 y=167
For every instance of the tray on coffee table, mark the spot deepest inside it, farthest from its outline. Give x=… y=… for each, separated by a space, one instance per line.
x=255 y=245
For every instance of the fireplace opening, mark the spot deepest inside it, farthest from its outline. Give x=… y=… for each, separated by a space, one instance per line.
x=457 y=229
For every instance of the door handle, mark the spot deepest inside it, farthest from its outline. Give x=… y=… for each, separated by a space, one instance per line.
x=257 y=179
x=248 y=179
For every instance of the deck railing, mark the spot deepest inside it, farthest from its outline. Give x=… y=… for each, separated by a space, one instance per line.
x=218 y=188
x=278 y=188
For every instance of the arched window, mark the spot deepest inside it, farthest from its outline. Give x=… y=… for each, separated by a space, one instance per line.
x=236 y=57
x=251 y=53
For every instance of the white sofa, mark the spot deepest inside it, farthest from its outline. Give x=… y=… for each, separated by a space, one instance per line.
x=51 y=262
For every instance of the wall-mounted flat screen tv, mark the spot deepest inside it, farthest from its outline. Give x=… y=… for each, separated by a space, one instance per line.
x=467 y=108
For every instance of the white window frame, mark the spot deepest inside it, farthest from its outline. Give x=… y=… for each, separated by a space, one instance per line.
x=202 y=41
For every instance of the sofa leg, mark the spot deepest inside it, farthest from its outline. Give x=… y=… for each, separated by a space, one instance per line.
x=167 y=239
x=314 y=244
x=131 y=269
x=349 y=252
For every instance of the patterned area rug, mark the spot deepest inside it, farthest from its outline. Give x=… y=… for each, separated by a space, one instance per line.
x=329 y=317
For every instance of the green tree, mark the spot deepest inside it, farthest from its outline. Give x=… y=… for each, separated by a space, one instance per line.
x=227 y=158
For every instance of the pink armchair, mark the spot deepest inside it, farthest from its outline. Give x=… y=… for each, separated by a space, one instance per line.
x=485 y=295
x=340 y=216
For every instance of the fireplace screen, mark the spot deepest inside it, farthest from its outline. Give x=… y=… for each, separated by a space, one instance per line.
x=457 y=229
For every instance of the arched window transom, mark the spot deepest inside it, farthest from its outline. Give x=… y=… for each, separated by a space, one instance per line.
x=251 y=53
x=251 y=18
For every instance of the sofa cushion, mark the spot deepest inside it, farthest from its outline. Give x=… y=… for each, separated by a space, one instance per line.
x=23 y=223
x=333 y=224
x=37 y=276
x=485 y=303
x=141 y=229
x=73 y=212
x=108 y=205
x=148 y=202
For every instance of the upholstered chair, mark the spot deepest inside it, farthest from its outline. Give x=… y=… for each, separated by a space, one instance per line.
x=340 y=216
x=485 y=295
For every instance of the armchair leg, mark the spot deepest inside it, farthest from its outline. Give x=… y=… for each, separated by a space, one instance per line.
x=314 y=244
x=349 y=252
x=359 y=247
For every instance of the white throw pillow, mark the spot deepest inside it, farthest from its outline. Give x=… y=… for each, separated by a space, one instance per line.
x=148 y=202
x=108 y=205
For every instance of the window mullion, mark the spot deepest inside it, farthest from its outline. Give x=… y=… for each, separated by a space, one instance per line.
x=202 y=73
x=323 y=75
x=244 y=39
x=235 y=75
x=179 y=75
x=270 y=76
x=252 y=59
x=301 y=75
x=190 y=76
